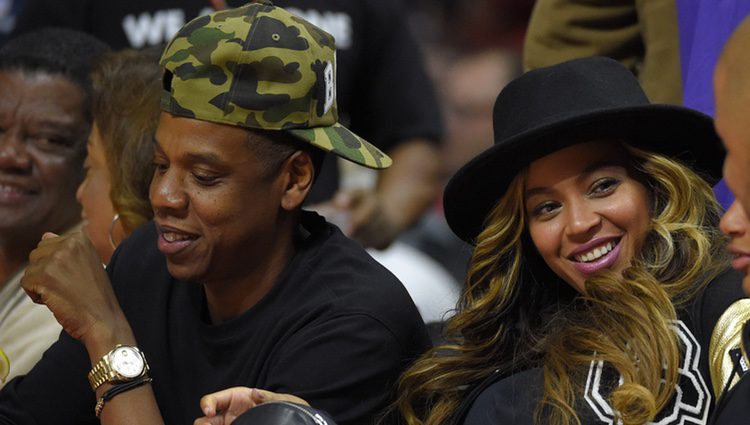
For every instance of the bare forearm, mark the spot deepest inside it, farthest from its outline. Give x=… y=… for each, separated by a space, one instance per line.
x=134 y=406
x=411 y=184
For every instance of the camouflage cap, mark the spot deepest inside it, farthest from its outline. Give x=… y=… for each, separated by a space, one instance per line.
x=259 y=66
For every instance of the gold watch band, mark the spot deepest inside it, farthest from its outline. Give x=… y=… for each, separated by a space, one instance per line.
x=103 y=370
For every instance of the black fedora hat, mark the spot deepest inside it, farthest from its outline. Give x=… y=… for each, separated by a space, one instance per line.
x=550 y=108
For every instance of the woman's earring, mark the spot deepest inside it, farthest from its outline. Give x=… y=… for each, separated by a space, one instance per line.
x=112 y=228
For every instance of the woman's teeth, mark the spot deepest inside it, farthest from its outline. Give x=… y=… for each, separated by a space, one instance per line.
x=596 y=253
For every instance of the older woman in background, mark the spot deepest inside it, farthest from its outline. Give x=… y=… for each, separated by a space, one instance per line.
x=125 y=103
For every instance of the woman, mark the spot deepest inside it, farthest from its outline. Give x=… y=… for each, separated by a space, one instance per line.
x=125 y=104
x=599 y=269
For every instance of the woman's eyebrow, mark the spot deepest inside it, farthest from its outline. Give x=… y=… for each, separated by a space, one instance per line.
x=591 y=168
x=536 y=191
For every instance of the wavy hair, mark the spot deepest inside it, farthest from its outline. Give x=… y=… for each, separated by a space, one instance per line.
x=515 y=313
x=127 y=86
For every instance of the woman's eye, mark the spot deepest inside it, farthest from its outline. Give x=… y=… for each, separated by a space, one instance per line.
x=544 y=209
x=604 y=186
x=160 y=167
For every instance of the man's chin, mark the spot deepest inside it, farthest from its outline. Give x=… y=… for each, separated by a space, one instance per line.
x=186 y=273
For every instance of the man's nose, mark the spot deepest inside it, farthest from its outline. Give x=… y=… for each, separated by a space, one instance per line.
x=167 y=193
x=734 y=222
x=14 y=155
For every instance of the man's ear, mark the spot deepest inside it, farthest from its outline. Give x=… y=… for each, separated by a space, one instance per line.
x=300 y=173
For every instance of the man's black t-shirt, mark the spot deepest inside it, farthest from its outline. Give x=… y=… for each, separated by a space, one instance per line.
x=336 y=330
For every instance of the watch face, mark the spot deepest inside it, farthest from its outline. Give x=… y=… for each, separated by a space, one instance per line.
x=127 y=362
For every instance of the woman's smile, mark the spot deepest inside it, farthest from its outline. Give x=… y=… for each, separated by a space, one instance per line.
x=593 y=260
x=586 y=212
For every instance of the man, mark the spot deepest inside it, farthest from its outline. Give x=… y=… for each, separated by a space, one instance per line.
x=732 y=91
x=44 y=122
x=232 y=284
x=732 y=95
x=383 y=94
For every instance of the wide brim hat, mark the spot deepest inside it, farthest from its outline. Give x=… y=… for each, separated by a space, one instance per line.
x=259 y=66
x=582 y=100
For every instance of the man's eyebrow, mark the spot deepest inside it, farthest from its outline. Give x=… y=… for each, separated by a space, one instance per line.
x=57 y=126
x=205 y=157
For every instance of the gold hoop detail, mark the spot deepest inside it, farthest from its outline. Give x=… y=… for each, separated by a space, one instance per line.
x=112 y=228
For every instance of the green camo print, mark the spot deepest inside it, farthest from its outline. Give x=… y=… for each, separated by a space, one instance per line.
x=258 y=66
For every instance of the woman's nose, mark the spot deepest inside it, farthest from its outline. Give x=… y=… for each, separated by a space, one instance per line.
x=581 y=219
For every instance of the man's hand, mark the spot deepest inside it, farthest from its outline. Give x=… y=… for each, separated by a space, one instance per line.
x=66 y=275
x=223 y=407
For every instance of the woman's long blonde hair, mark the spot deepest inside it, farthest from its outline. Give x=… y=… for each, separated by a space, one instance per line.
x=516 y=314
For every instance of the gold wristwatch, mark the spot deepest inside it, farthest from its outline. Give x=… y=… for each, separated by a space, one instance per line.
x=124 y=363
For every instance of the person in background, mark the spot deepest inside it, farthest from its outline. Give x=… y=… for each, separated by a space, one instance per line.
x=120 y=149
x=44 y=120
x=732 y=96
x=732 y=93
x=599 y=271
x=469 y=83
x=122 y=24
x=386 y=96
x=231 y=283
x=9 y=11
x=642 y=35
x=383 y=90
x=736 y=225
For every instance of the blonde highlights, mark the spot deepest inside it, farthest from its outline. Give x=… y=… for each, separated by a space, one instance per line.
x=125 y=103
x=624 y=320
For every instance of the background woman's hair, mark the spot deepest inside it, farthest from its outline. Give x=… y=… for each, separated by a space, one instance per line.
x=127 y=87
x=516 y=313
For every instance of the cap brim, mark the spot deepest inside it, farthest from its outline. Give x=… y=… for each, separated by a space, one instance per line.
x=344 y=143
x=674 y=131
